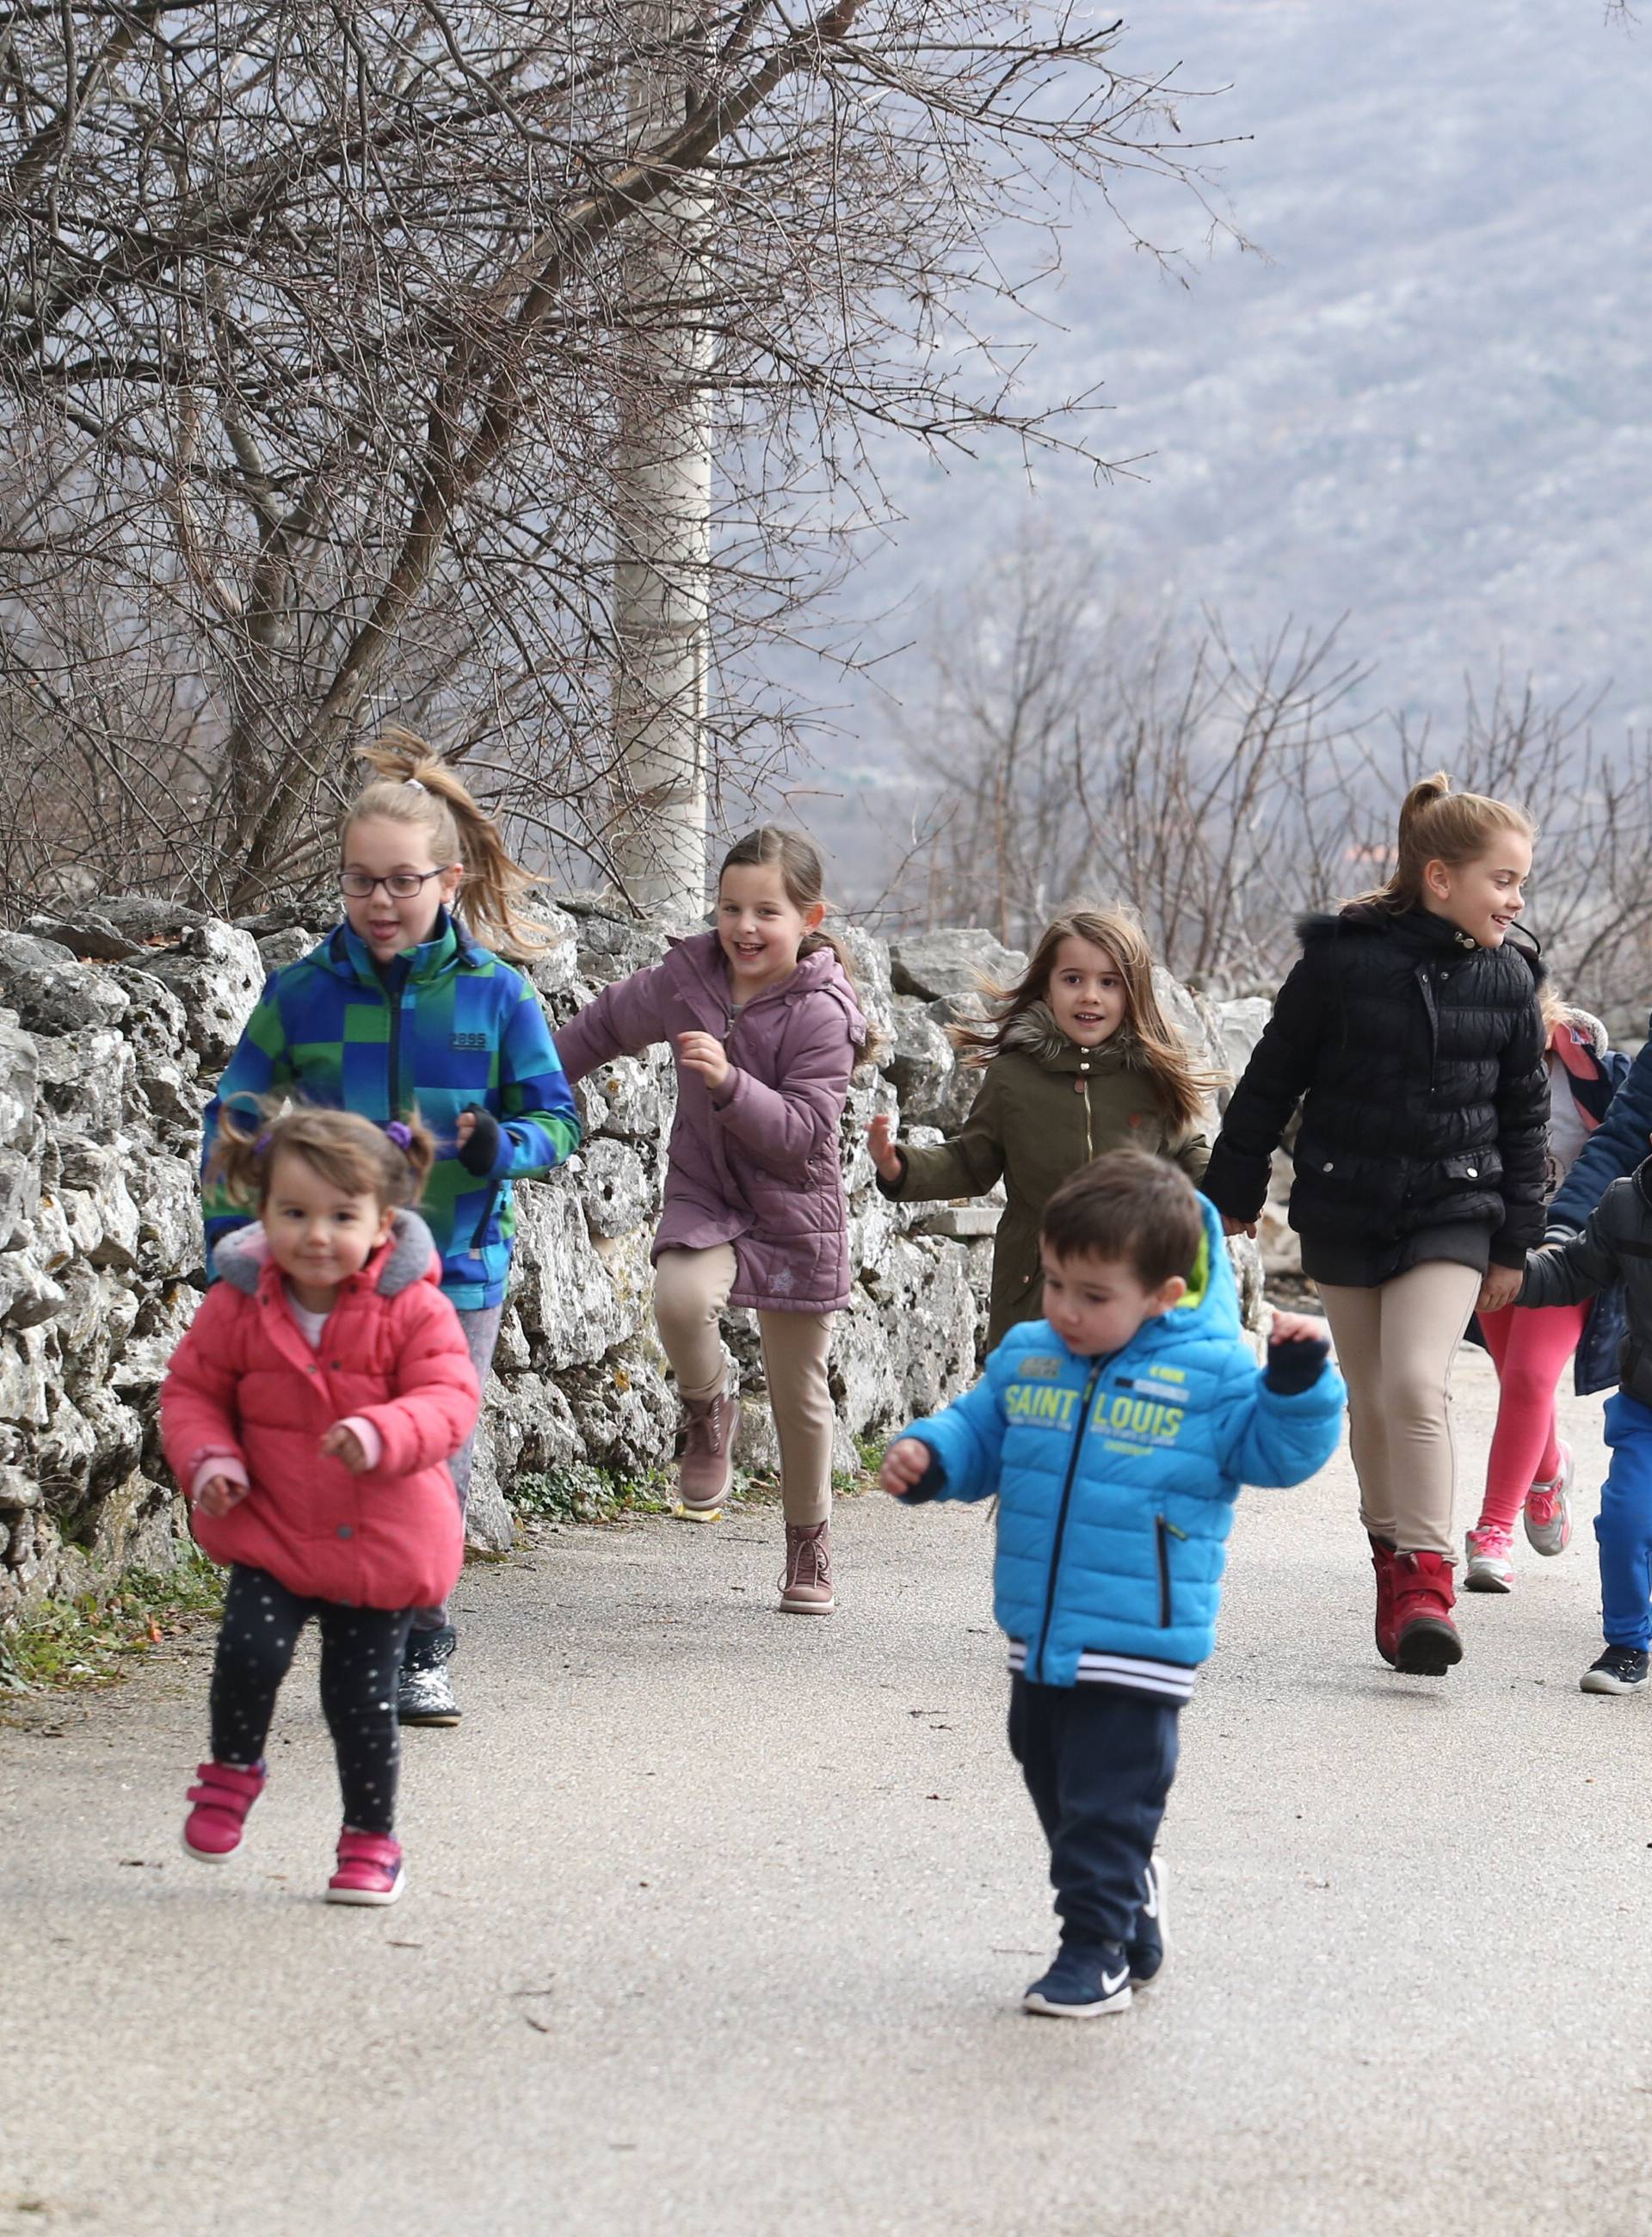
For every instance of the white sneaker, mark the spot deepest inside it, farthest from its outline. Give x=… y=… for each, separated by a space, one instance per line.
x=1490 y=1569
x=1547 y=1511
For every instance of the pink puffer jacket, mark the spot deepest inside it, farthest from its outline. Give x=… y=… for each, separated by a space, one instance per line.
x=245 y=1385
x=756 y=1166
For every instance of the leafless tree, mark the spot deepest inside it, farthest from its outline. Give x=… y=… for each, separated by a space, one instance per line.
x=1068 y=748
x=326 y=329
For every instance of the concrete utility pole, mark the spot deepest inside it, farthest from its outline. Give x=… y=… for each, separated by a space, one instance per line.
x=663 y=508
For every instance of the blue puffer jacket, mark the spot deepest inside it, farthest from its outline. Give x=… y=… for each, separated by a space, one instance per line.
x=1117 y=1477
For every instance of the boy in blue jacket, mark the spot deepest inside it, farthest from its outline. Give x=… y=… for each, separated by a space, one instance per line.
x=1116 y=1433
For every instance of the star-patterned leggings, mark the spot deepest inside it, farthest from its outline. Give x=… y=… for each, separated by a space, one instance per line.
x=360 y=1654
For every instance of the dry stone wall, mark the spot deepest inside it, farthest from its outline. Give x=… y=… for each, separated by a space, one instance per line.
x=115 y=1023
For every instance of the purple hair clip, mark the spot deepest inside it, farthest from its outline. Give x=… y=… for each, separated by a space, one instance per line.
x=400 y=1135
x=261 y=1147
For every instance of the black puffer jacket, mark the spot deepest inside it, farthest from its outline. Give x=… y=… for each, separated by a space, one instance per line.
x=1420 y=1054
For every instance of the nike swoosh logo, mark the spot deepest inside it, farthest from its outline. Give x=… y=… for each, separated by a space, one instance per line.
x=1111 y=1985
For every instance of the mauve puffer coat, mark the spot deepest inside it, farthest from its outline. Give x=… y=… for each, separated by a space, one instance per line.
x=756 y=1166
x=245 y=1383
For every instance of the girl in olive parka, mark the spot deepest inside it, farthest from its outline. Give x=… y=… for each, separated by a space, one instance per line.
x=1079 y=1059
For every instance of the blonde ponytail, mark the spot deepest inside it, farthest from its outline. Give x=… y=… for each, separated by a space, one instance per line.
x=1439 y=825
x=412 y=785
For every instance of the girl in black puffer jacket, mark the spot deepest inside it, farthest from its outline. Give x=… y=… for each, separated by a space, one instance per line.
x=1411 y=1027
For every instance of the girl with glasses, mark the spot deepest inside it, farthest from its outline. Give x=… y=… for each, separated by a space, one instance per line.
x=402 y=1008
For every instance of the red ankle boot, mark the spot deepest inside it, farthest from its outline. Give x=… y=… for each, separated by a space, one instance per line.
x=1382 y=1560
x=1426 y=1639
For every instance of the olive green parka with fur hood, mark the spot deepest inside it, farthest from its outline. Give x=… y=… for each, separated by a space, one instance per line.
x=1046 y=1106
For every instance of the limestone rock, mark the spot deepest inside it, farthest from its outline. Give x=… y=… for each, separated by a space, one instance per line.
x=53 y=992
x=933 y=964
x=290 y=945
x=87 y=1079
x=19 y=1074
x=922 y=1062
x=870 y=967
x=218 y=974
x=96 y=1196
x=615 y=1187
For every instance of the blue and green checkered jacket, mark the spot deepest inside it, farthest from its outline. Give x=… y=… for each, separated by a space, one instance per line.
x=463 y=1028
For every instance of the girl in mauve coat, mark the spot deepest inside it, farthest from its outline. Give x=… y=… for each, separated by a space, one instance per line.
x=309 y=1415
x=763 y=1019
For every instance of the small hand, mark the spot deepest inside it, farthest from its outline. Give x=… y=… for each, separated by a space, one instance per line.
x=341 y=1443
x=1297 y=1328
x=703 y=1054
x=464 y=1127
x=879 y=1141
x=219 y=1494
x=906 y=1463
x=1239 y=1226
x=1500 y=1288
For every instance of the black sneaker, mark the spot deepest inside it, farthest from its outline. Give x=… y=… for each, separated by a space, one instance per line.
x=424 y=1691
x=1620 y=1670
x=1082 y=1983
x=1147 y=1946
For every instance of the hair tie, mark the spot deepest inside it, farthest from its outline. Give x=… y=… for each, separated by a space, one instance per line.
x=401 y=1135
x=261 y=1146
x=413 y=785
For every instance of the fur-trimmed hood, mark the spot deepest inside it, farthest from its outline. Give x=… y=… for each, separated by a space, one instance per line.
x=1033 y=1032
x=243 y=1256
x=1420 y=925
x=1589 y=1028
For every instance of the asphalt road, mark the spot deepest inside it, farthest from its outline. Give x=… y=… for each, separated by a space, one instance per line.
x=718 y=1920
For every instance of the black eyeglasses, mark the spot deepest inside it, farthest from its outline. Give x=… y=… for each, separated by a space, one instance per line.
x=401 y=885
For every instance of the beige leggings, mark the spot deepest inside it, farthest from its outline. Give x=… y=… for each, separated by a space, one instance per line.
x=1394 y=1346
x=690 y=1290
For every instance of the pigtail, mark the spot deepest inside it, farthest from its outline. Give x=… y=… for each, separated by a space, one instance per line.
x=240 y=1156
x=391 y=1163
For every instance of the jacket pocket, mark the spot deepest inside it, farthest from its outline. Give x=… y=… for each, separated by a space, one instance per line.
x=1163 y=1532
x=490 y=1209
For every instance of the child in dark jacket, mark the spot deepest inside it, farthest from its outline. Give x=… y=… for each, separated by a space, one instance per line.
x=1617 y=1246
x=1409 y=1033
x=1116 y=1433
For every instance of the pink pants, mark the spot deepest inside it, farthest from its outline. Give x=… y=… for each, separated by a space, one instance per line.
x=1529 y=1347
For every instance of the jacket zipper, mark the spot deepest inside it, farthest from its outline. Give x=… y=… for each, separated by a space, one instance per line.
x=1091 y=1381
x=1424 y=979
x=393 y=1095
x=1163 y=1532
x=1089 y=1134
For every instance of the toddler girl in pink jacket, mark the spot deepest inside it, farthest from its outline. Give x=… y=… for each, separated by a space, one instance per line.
x=309 y=1415
x=766 y=1029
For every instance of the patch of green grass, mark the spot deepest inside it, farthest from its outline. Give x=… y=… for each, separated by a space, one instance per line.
x=871 y=1450
x=582 y=1492
x=87 y=1641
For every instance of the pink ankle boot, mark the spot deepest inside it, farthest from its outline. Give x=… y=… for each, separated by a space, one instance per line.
x=706 y=1468
x=222 y=1796
x=369 y=1870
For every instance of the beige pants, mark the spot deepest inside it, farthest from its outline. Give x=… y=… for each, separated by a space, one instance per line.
x=690 y=1290
x=1394 y=1346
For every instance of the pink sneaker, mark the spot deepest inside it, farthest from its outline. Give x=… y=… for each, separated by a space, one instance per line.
x=1489 y=1564
x=222 y=1796
x=369 y=1870
x=1548 y=1509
